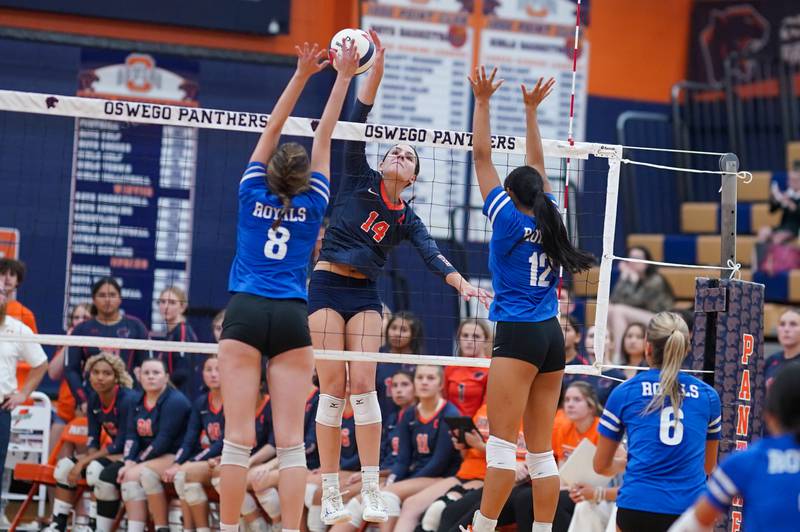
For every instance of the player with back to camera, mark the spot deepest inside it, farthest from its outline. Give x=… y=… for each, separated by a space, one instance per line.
x=368 y=221
x=282 y=201
x=529 y=244
x=672 y=421
x=766 y=475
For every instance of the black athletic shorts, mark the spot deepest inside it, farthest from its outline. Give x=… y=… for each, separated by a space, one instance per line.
x=272 y=326
x=539 y=343
x=637 y=520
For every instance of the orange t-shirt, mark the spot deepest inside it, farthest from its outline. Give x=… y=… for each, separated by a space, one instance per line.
x=566 y=437
x=474 y=464
x=17 y=310
x=465 y=387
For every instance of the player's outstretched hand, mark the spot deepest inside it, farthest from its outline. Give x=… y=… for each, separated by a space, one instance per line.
x=482 y=86
x=346 y=61
x=308 y=59
x=538 y=93
x=468 y=292
x=380 y=51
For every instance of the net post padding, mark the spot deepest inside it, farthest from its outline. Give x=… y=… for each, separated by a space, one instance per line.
x=728 y=337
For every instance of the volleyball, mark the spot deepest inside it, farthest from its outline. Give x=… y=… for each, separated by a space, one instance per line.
x=364 y=46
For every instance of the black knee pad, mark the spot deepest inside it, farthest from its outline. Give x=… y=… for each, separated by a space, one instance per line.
x=107 y=509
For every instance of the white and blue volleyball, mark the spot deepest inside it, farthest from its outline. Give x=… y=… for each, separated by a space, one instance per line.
x=364 y=46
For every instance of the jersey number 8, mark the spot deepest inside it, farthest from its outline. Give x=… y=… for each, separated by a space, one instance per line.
x=670 y=430
x=276 y=247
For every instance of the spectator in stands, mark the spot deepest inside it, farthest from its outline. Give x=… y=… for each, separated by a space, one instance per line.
x=11 y=393
x=572 y=355
x=185 y=369
x=776 y=247
x=403 y=334
x=108 y=321
x=464 y=386
x=640 y=293
x=216 y=325
x=633 y=347
x=111 y=403
x=789 y=338
x=13 y=271
x=611 y=377
x=582 y=411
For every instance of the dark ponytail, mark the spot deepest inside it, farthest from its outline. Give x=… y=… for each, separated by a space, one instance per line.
x=527 y=186
x=287 y=176
x=783 y=398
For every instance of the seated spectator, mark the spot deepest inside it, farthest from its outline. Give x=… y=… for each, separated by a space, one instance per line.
x=403 y=333
x=465 y=387
x=572 y=354
x=216 y=325
x=185 y=369
x=611 y=377
x=789 y=338
x=640 y=293
x=633 y=346
x=581 y=416
x=776 y=248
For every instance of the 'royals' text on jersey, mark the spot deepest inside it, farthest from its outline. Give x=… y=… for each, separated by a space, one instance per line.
x=767 y=477
x=524 y=283
x=270 y=262
x=666 y=448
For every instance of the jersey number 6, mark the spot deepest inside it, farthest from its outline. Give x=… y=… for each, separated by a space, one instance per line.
x=379 y=228
x=275 y=247
x=670 y=430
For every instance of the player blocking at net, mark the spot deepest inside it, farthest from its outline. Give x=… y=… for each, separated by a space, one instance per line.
x=529 y=244
x=369 y=219
x=283 y=197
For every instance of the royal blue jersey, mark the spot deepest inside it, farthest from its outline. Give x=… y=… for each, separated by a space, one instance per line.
x=348 y=459
x=76 y=357
x=767 y=477
x=270 y=262
x=204 y=432
x=665 y=472
x=156 y=430
x=524 y=283
x=390 y=439
x=425 y=448
x=185 y=369
x=365 y=225
x=113 y=418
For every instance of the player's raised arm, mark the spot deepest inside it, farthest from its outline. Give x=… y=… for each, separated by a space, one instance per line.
x=483 y=87
x=533 y=139
x=369 y=88
x=308 y=64
x=346 y=63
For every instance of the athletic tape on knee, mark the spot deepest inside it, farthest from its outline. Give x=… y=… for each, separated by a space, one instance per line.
x=355 y=509
x=249 y=504
x=501 y=454
x=133 y=491
x=180 y=484
x=541 y=465
x=393 y=503
x=235 y=454
x=308 y=498
x=61 y=472
x=194 y=494
x=366 y=408
x=329 y=411
x=270 y=502
x=93 y=471
x=150 y=481
x=105 y=491
x=433 y=516
x=294 y=456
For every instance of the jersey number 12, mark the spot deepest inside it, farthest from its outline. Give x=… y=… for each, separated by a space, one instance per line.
x=540 y=269
x=276 y=247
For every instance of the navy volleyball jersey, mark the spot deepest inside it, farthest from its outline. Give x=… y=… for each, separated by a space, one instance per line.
x=310 y=430
x=157 y=430
x=365 y=225
x=203 y=437
x=425 y=448
x=390 y=439
x=348 y=459
x=113 y=419
x=185 y=369
x=767 y=477
x=76 y=357
x=524 y=283
x=264 y=432
x=665 y=472
x=274 y=263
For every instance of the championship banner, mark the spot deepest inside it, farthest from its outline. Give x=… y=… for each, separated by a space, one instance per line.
x=131 y=204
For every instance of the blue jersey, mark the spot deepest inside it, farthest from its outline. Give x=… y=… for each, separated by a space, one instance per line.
x=203 y=437
x=390 y=439
x=156 y=430
x=523 y=281
x=665 y=472
x=274 y=263
x=425 y=447
x=76 y=357
x=767 y=477
x=185 y=369
x=348 y=459
x=365 y=224
x=113 y=418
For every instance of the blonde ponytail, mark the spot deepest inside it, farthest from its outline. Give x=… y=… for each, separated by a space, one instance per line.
x=668 y=335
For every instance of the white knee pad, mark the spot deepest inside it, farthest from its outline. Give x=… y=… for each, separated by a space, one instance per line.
x=294 y=456
x=329 y=411
x=133 y=491
x=151 y=481
x=180 y=484
x=249 y=504
x=270 y=502
x=93 y=471
x=194 y=493
x=541 y=465
x=215 y=481
x=61 y=471
x=356 y=509
x=235 y=454
x=366 y=408
x=308 y=498
x=433 y=515
x=105 y=491
x=393 y=503
x=501 y=454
